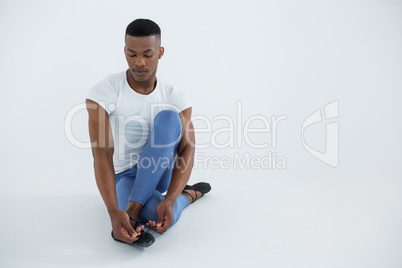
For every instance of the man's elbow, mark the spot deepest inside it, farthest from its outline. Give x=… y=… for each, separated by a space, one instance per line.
x=102 y=152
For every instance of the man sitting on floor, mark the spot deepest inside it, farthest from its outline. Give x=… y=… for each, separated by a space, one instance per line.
x=142 y=142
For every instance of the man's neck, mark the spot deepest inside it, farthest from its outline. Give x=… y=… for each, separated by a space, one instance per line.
x=143 y=88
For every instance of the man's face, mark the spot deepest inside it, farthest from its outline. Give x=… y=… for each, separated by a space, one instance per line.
x=143 y=54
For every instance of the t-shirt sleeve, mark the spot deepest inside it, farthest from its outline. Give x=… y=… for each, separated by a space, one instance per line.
x=103 y=94
x=180 y=100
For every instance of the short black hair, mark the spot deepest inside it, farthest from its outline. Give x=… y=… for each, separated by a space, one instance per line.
x=143 y=27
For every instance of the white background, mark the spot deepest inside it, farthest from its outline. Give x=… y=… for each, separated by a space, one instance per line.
x=276 y=57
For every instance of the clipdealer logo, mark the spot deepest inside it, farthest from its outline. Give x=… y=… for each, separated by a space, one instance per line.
x=238 y=131
x=331 y=154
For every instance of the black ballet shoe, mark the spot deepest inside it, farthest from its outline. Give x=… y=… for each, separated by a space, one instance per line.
x=145 y=239
x=202 y=187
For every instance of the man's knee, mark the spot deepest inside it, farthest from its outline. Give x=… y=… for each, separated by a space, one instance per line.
x=167 y=118
x=167 y=125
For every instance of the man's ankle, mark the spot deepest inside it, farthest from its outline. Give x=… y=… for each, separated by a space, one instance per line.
x=133 y=209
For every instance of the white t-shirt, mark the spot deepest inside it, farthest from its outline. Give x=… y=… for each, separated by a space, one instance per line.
x=131 y=114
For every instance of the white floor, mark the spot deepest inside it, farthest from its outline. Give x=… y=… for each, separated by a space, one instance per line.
x=275 y=222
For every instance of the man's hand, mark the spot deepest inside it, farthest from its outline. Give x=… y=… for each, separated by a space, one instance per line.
x=165 y=217
x=122 y=229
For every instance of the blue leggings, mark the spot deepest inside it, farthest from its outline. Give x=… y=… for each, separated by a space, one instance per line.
x=150 y=177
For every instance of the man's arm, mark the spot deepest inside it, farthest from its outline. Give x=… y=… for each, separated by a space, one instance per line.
x=180 y=174
x=101 y=136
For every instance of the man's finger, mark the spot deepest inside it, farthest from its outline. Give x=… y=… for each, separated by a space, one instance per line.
x=164 y=226
x=139 y=228
x=160 y=219
x=159 y=230
x=123 y=235
x=167 y=222
x=128 y=227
